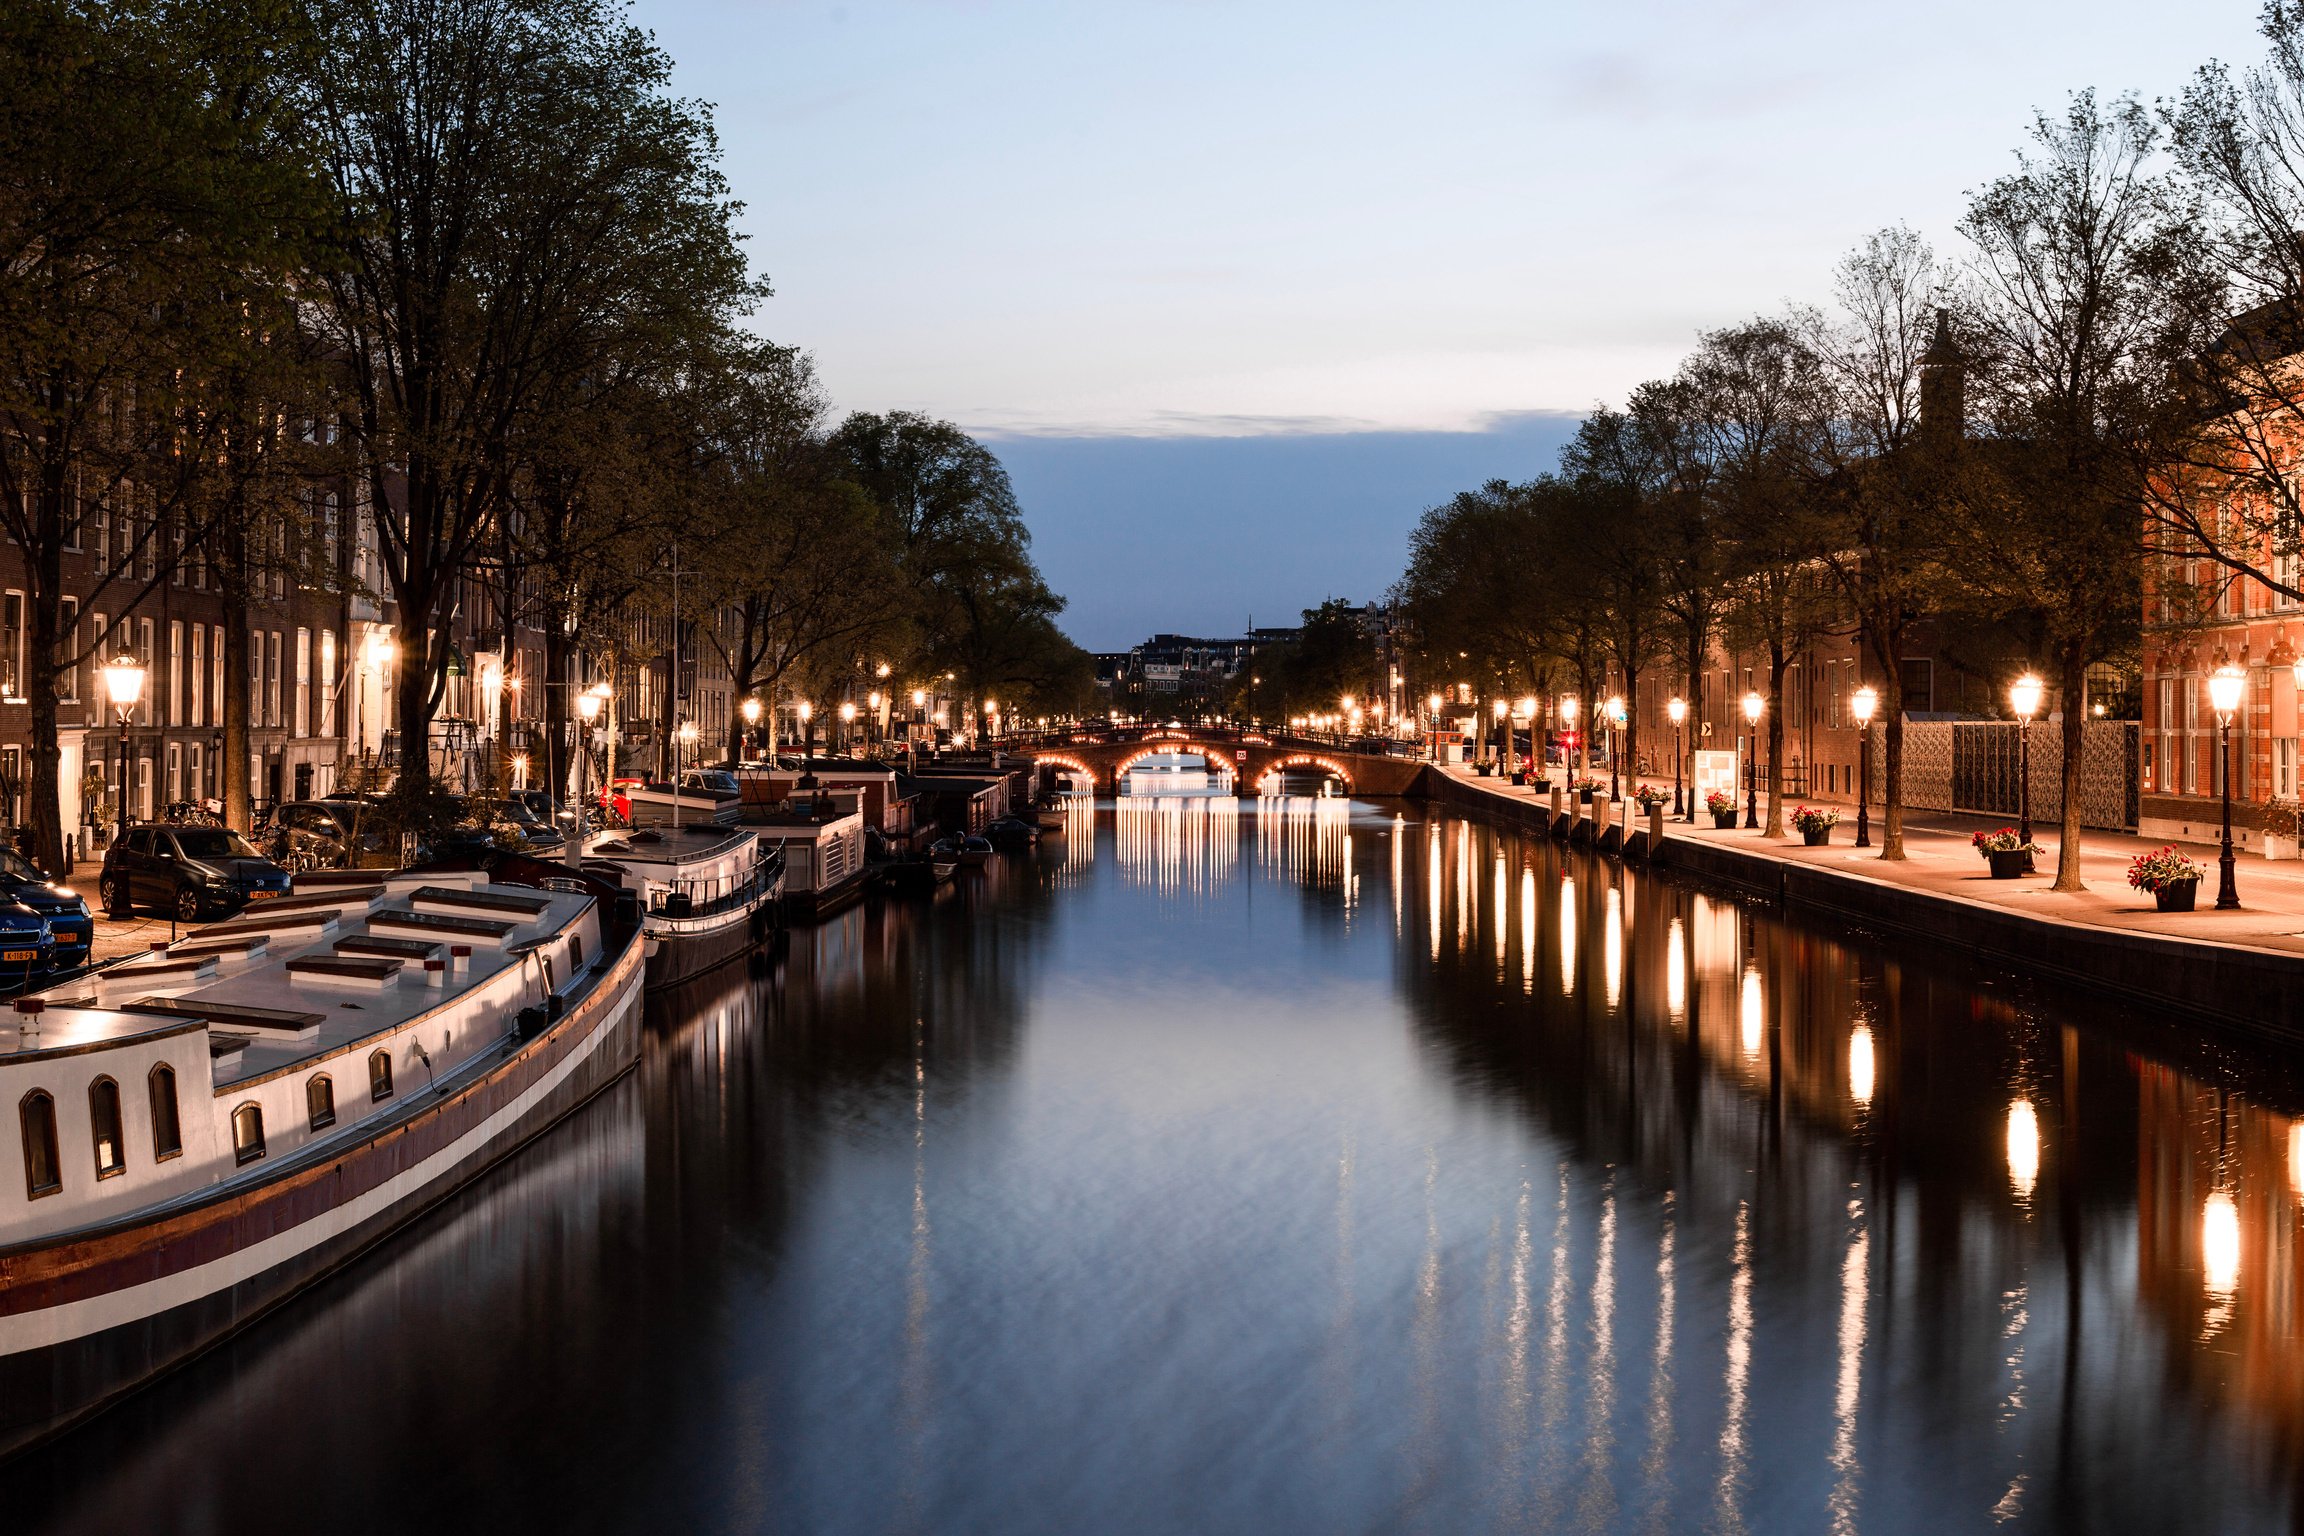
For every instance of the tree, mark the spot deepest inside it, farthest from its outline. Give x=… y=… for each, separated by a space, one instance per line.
x=1617 y=477
x=1888 y=456
x=1758 y=395
x=2068 y=298
x=506 y=176
x=148 y=208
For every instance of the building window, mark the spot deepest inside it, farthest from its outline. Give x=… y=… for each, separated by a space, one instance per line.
x=167 y=1133
x=303 y=717
x=199 y=674
x=43 y=1170
x=12 y=645
x=175 y=671
x=379 y=1077
x=104 y=1128
x=175 y=773
x=327 y=682
x=272 y=681
x=67 y=650
x=320 y=1099
x=247 y=1133
x=144 y=655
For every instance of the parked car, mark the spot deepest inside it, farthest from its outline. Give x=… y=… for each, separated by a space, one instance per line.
x=309 y=834
x=189 y=871
x=59 y=905
x=537 y=831
x=27 y=948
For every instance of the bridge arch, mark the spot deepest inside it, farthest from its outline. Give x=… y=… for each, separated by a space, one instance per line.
x=1280 y=763
x=1218 y=761
x=1065 y=760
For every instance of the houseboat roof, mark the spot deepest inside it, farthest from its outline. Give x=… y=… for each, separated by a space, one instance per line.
x=690 y=844
x=66 y=1030
x=311 y=987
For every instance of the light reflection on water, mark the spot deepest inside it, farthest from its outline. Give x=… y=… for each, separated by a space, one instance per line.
x=1140 y=1184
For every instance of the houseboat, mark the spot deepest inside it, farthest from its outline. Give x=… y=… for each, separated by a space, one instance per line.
x=205 y=1129
x=708 y=893
x=822 y=840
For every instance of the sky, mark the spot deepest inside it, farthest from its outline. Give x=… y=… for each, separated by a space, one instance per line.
x=1238 y=289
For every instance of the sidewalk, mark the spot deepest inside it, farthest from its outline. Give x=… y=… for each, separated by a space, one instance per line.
x=1939 y=860
x=115 y=937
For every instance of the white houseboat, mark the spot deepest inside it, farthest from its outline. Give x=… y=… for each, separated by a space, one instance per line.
x=203 y=1130
x=822 y=841
x=708 y=893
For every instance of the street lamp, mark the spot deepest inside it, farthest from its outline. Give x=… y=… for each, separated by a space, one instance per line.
x=1501 y=709
x=2024 y=698
x=1526 y=711
x=1677 y=709
x=1613 y=710
x=750 y=710
x=847 y=724
x=807 y=712
x=2224 y=688
x=1754 y=706
x=588 y=705
x=1864 y=706
x=124 y=683
x=1432 y=726
x=1568 y=709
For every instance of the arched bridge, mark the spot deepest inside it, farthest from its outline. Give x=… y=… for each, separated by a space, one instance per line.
x=1105 y=756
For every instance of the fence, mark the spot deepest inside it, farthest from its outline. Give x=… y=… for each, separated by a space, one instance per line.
x=1976 y=766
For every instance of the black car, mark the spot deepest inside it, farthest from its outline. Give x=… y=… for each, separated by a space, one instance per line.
x=27 y=948
x=189 y=871
x=66 y=914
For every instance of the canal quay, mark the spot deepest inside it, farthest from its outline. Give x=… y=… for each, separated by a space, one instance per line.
x=1307 y=1164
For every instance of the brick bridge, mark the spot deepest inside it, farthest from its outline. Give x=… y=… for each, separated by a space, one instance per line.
x=1106 y=756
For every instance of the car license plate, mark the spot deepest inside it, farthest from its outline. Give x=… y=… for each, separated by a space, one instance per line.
x=262 y=895
x=19 y=954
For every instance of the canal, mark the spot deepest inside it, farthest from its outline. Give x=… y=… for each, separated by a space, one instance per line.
x=1305 y=1166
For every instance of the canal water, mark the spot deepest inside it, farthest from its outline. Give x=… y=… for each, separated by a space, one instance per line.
x=1305 y=1166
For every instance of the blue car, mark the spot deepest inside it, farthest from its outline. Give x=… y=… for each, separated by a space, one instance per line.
x=27 y=948
x=67 y=914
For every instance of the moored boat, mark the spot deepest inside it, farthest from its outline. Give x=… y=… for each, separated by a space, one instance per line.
x=208 y=1128
x=708 y=893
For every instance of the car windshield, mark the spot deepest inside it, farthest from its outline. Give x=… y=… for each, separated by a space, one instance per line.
x=14 y=866
x=213 y=843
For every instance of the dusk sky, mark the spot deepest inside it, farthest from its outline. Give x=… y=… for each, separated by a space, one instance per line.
x=1237 y=290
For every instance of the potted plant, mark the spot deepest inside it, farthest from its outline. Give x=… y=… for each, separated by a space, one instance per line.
x=1649 y=796
x=1722 y=805
x=2008 y=854
x=1587 y=788
x=2172 y=878
x=1814 y=823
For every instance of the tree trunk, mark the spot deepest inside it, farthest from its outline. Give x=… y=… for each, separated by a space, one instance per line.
x=43 y=795
x=412 y=695
x=1631 y=728
x=1892 y=769
x=559 y=690
x=2074 y=692
x=232 y=560
x=1773 y=826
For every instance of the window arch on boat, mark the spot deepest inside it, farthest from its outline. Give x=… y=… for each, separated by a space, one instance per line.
x=247 y=1133
x=380 y=1076
x=43 y=1170
x=320 y=1100
x=104 y=1128
x=167 y=1130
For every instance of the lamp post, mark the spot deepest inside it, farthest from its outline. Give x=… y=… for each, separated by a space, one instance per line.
x=2224 y=689
x=124 y=684
x=750 y=710
x=1432 y=727
x=1502 y=710
x=685 y=739
x=1864 y=705
x=588 y=705
x=1677 y=709
x=847 y=727
x=1568 y=708
x=2024 y=698
x=1615 y=715
x=807 y=746
x=1527 y=714
x=1754 y=705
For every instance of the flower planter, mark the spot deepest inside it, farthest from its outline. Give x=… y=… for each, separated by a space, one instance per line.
x=1584 y=795
x=2011 y=864
x=1483 y=769
x=2176 y=895
x=1725 y=821
x=1817 y=838
x=1519 y=778
x=2279 y=847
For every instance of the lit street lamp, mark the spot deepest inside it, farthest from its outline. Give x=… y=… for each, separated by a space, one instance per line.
x=1677 y=709
x=124 y=684
x=1568 y=708
x=1754 y=706
x=1864 y=706
x=750 y=710
x=588 y=705
x=2024 y=698
x=807 y=778
x=847 y=725
x=1432 y=728
x=1615 y=717
x=2224 y=688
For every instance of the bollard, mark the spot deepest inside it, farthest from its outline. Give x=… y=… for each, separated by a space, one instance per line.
x=1656 y=823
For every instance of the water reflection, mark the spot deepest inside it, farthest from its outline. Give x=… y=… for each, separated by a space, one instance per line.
x=1138 y=1184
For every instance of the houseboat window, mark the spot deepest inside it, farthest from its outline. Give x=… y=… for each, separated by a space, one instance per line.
x=320 y=1098
x=380 y=1076
x=575 y=953
x=167 y=1135
x=247 y=1133
x=104 y=1127
x=43 y=1173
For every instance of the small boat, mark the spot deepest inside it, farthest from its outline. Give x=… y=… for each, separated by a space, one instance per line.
x=1052 y=818
x=708 y=893
x=1012 y=833
x=967 y=852
x=212 y=1126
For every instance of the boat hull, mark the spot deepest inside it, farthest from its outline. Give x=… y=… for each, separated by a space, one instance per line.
x=89 y=1317
x=681 y=949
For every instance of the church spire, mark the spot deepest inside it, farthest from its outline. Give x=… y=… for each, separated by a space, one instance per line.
x=1943 y=380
